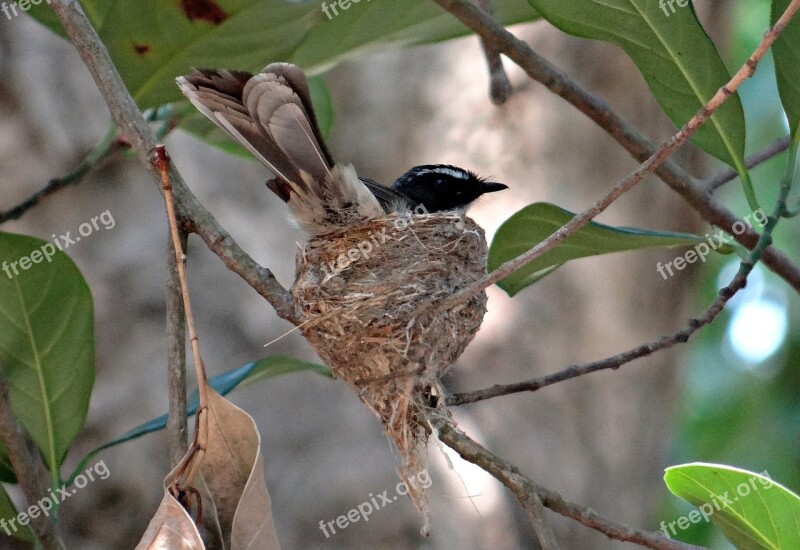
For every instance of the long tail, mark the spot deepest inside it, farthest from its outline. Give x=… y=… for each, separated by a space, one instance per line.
x=270 y=113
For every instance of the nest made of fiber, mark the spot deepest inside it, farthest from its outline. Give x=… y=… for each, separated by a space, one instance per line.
x=368 y=296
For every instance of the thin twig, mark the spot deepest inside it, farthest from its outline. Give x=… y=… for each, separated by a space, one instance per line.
x=772 y=150
x=681 y=336
x=614 y=362
x=622 y=131
x=177 y=422
x=525 y=490
x=538 y=515
x=161 y=161
x=193 y=215
x=105 y=148
x=499 y=85
x=31 y=472
x=647 y=167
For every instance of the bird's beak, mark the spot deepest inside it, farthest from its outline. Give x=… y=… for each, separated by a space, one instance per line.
x=490 y=187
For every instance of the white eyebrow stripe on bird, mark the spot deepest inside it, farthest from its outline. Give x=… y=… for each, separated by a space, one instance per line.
x=460 y=174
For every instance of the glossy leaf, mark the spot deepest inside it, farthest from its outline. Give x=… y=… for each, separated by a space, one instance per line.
x=786 y=52
x=152 y=41
x=751 y=510
x=676 y=57
x=46 y=342
x=534 y=223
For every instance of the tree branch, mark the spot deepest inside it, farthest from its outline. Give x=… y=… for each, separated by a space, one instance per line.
x=723 y=297
x=613 y=362
x=528 y=492
x=105 y=148
x=177 y=421
x=127 y=115
x=499 y=85
x=31 y=472
x=538 y=515
x=665 y=150
x=618 y=128
x=772 y=150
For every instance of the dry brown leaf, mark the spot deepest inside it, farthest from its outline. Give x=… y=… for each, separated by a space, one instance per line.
x=236 y=506
x=233 y=470
x=171 y=529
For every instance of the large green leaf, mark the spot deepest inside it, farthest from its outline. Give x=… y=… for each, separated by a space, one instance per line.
x=268 y=367
x=46 y=342
x=751 y=510
x=786 y=52
x=153 y=41
x=534 y=223
x=678 y=60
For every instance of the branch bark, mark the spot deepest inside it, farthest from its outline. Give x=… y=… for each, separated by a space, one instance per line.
x=127 y=115
x=528 y=492
x=104 y=149
x=177 y=422
x=650 y=165
x=31 y=472
x=623 y=132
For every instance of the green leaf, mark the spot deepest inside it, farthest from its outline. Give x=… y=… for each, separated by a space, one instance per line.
x=153 y=41
x=323 y=107
x=534 y=223
x=751 y=510
x=786 y=52
x=676 y=57
x=268 y=367
x=46 y=342
x=8 y=513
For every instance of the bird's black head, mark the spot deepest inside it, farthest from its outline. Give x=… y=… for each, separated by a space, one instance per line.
x=441 y=187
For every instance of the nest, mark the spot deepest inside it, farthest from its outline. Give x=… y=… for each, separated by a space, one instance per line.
x=369 y=299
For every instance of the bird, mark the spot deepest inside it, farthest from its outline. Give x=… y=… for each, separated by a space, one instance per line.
x=378 y=259
x=271 y=115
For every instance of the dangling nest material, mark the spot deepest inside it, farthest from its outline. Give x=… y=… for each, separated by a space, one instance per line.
x=369 y=295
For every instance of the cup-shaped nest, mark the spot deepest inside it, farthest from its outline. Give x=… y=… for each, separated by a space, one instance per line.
x=369 y=297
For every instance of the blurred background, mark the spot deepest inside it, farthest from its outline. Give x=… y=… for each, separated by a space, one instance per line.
x=603 y=440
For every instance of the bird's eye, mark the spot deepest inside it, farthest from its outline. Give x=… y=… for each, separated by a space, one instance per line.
x=439 y=182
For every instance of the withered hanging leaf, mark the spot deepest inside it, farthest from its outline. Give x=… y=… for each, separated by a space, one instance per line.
x=171 y=528
x=233 y=469
x=231 y=490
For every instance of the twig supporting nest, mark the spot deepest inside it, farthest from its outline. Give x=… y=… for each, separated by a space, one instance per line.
x=366 y=295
